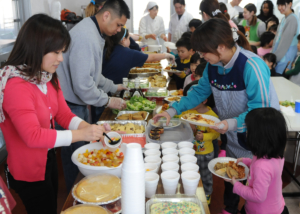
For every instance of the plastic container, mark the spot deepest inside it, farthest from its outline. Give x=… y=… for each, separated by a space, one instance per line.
x=112 y=135
x=129 y=112
x=176 y=198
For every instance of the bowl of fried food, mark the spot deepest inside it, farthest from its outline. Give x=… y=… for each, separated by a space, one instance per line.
x=132 y=115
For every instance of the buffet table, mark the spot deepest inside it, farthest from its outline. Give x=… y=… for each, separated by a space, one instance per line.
x=108 y=115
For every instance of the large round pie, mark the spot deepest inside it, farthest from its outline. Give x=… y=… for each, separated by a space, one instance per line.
x=98 y=188
x=90 y=209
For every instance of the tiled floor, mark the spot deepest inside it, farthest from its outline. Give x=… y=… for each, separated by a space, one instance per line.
x=216 y=199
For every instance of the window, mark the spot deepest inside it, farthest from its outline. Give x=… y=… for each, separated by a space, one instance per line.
x=139 y=7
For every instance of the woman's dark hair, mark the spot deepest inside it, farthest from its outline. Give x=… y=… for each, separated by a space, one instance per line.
x=195 y=23
x=270 y=57
x=298 y=37
x=242 y=29
x=182 y=2
x=274 y=19
x=213 y=33
x=156 y=6
x=39 y=36
x=200 y=68
x=224 y=10
x=209 y=7
x=92 y=8
x=271 y=8
x=252 y=8
x=112 y=41
x=266 y=38
x=195 y=58
x=184 y=42
x=283 y=2
x=273 y=28
x=266 y=138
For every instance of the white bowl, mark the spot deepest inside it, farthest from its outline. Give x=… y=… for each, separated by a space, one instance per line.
x=152 y=167
x=112 y=134
x=170 y=158
x=185 y=144
x=170 y=45
x=188 y=159
x=167 y=145
x=152 y=146
x=152 y=152
x=186 y=151
x=90 y=170
x=170 y=151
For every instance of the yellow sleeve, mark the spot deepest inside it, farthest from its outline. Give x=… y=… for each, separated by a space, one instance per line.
x=210 y=135
x=182 y=75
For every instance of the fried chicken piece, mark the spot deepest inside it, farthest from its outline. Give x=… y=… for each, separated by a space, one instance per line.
x=232 y=172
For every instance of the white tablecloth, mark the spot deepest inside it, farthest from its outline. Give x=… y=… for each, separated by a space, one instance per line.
x=286 y=90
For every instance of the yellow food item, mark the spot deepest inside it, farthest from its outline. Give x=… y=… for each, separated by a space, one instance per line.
x=83 y=208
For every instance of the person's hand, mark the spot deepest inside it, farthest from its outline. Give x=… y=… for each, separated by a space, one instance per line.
x=194 y=128
x=164 y=38
x=286 y=70
x=232 y=181
x=221 y=127
x=151 y=36
x=170 y=58
x=239 y=160
x=164 y=114
x=199 y=136
x=168 y=50
x=93 y=133
x=116 y=103
x=121 y=87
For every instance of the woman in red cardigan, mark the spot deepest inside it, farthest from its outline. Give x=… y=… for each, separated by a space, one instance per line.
x=30 y=101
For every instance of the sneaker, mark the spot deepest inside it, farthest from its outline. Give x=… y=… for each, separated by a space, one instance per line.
x=208 y=199
x=222 y=154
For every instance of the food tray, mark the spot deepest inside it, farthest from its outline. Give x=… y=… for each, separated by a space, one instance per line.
x=157 y=90
x=159 y=198
x=123 y=122
x=180 y=133
x=162 y=123
x=130 y=112
x=144 y=74
x=143 y=81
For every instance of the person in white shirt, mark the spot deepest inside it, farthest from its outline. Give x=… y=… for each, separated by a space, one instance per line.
x=152 y=27
x=179 y=22
x=234 y=8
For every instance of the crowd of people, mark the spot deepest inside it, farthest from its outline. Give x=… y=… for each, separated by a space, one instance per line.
x=225 y=72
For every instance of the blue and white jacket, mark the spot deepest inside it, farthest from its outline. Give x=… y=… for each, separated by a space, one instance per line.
x=238 y=87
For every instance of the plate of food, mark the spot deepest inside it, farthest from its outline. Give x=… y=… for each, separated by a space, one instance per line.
x=174 y=122
x=170 y=70
x=200 y=119
x=172 y=99
x=176 y=93
x=152 y=63
x=162 y=108
x=227 y=168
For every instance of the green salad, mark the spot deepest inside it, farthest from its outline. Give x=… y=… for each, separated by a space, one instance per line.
x=287 y=103
x=138 y=104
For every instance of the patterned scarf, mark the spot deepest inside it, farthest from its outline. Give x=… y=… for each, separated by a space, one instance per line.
x=11 y=71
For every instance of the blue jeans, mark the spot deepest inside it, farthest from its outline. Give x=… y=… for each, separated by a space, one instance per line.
x=96 y=113
x=70 y=169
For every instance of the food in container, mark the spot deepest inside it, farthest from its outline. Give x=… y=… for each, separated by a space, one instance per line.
x=128 y=126
x=132 y=115
x=174 y=207
x=98 y=189
x=159 y=81
x=84 y=208
x=143 y=70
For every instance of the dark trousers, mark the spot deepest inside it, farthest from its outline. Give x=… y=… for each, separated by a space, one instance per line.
x=96 y=113
x=231 y=200
x=40 y=196
x=70 y=169
x=285 y=210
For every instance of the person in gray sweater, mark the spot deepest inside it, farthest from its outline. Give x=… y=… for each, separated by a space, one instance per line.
x=80 y=74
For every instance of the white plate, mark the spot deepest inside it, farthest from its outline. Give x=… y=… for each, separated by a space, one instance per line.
x=216 y=120
x=170 y=45
x=172 y=71
x=167 y=99
x=166 y=127
x=213 y=162
x=171 y=93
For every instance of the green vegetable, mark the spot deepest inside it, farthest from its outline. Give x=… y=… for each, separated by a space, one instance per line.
x=287 y=103
x=138 y=104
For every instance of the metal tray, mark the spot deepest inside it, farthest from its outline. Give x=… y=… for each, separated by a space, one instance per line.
x=183 y=132
x=146 y=74
x=176 y=198
x=130 y=112
x=123 y=122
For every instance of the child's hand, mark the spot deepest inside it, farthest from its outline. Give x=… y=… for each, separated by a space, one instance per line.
x=199 y=136
x=221 y=127
x=239 y=160
x=168 y=50
x=232 y=181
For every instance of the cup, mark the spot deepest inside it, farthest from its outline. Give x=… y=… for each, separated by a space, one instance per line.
x=152 y=152
x=170 y=181
x=170 y=166
x=112 y=135
x=153 y=159
x=190 y=181
x=297 y=106
x=151 y=167
x=170 y=158
x=189 y=167
x=170 y=151
x=186 y=151
x=151 y=181
x=188 y=159
x=167 y=145
x=152 y=146
x=133 y=152
x=185 y=144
